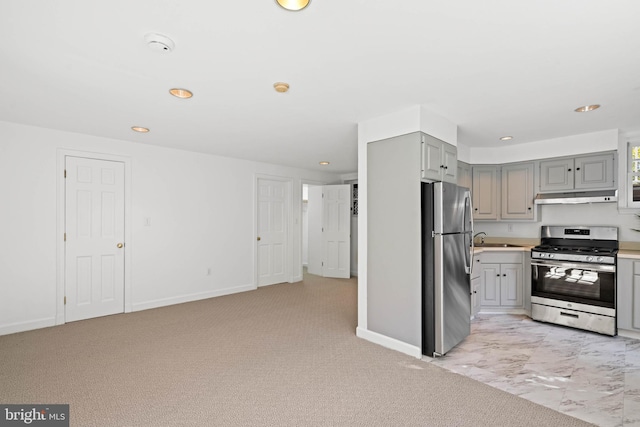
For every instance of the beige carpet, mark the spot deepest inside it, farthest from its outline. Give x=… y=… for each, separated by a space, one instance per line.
x=284 y=355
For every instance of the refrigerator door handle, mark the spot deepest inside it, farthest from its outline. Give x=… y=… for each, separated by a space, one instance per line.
x=467 y=208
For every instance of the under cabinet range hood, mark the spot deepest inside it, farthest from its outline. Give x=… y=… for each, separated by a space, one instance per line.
x=576 y=197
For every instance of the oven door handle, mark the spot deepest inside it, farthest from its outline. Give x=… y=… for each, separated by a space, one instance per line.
x=589 y=267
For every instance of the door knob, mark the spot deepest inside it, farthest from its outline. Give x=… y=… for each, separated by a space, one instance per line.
x=258 y=237
x=119 y=245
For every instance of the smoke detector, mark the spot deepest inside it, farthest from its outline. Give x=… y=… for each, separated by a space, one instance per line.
x=159 y=43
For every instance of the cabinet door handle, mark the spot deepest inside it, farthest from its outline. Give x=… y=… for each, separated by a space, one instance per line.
x=497 y=275
x=529 y=208
x=577 y=169
x=504 y=275
x=569 y=170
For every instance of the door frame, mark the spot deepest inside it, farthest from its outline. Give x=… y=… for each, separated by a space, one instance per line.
x=288 y=227
x=60 y=225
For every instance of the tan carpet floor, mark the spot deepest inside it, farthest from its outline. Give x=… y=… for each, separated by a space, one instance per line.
x=283 y=355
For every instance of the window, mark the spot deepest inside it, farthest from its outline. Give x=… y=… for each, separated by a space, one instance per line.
x=354 y=199
x=634 y=172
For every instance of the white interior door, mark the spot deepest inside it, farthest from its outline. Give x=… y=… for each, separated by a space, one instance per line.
x=314 y=215
x=336 y=235
x=272 y=231
x=94 y=233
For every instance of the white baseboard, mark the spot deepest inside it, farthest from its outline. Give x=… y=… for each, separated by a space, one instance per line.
x=191 y=297
x=629 y=334
x=29 y=325
x=387 y=342
x=505 y=310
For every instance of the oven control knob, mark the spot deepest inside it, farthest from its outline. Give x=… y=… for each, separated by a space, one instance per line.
x=550 y=255
x=600 y=259
x=589 y=258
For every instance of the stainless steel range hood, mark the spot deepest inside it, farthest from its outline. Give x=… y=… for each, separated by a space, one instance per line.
x=575 y=197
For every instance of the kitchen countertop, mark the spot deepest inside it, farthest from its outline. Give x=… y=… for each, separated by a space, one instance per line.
x=629 y=253
x=520 y=248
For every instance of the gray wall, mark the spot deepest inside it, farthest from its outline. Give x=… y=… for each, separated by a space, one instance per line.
x=394 y=241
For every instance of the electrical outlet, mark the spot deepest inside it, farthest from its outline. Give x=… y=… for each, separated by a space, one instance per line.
x=147 y=222
x=209 y=271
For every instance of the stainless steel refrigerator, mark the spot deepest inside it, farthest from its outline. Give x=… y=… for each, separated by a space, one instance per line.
x=447 y=238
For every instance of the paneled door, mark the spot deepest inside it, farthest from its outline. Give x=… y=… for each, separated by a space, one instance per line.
x=314 y=228
x=329 y=209
x=273 y=207
x=336 y=230
x=94 y=238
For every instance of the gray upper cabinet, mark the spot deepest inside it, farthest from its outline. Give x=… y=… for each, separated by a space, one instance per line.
x=485 y=192
x=517 y=191
x=556 y=175
x=595 y=171
x=578 y=173
x=439 y=160
x=503 y=192
x=464 y=175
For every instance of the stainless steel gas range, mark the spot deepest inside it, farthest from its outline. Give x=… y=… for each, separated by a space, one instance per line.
x=573 y=277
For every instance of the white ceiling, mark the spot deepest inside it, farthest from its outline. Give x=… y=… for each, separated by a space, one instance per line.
x=492 y=67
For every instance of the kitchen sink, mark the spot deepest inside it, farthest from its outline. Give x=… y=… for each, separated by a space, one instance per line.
x=497 y=245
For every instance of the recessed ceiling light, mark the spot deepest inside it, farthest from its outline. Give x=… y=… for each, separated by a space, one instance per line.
x=139 y=129
x=281 y=87
x=324 y=163
x=506 y=138
x=181 y=93
x=293 y=5
x=586 y=108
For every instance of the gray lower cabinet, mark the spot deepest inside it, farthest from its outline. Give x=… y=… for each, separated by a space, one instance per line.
x=628 y=294
x=476 y=289
x=476 y=284
x=502 y=282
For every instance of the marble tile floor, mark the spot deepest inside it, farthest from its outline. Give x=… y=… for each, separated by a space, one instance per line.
x=589 y=376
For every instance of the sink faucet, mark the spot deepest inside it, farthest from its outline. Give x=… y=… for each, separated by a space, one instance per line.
x=481 y=237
